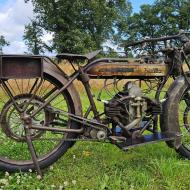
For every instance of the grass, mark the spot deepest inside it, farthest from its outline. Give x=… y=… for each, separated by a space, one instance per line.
x=101 y=166
x=98 y=166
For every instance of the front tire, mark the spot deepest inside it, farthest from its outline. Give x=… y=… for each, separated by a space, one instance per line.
x=175 y=118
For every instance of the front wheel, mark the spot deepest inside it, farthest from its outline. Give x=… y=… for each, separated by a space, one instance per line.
x=176 y=116
x=49 y=146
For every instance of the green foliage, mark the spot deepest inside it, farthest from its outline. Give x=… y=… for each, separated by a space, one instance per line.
x=3 y=43
x=164 y=17
x=174 y=15
x=80 y=25
x=145 y=23
x=32 y=37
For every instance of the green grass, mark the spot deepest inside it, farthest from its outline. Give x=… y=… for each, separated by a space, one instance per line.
x=103 y=166
x=98 y=166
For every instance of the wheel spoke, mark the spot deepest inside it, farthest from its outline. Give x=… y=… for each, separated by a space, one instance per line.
x=46 y=143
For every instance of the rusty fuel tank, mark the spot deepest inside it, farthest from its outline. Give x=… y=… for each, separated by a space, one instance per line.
x=127 y=70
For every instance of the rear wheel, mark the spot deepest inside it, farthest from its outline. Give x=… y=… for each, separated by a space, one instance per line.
x=49 y=146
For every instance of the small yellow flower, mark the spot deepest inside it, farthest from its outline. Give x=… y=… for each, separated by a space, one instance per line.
x=86 y=153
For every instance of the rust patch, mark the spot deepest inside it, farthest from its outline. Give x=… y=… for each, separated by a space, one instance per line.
x=125 y=69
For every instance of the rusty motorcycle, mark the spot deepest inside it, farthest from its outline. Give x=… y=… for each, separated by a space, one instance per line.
x=41 y=110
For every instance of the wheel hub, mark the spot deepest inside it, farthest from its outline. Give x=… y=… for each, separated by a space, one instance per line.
x=13 y=122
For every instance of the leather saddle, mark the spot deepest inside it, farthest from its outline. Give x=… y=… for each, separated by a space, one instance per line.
x=73 y=57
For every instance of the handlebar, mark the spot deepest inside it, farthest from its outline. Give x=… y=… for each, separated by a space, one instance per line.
x=181 y=35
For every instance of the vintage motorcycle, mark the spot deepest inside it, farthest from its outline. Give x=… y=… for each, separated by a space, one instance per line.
x=41 y=110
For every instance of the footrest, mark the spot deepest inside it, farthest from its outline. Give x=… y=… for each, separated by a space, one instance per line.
x=146 y=139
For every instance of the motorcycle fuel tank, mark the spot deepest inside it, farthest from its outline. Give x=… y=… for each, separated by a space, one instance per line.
x=127 y=70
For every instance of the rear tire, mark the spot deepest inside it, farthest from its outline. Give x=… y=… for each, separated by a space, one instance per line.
x=14 y=161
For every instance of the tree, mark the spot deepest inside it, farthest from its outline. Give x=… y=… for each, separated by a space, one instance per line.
x=33 y=38
x=81 y=25
x=3 y=43
x=145 y=23
x=164 y=17
x=174 y=15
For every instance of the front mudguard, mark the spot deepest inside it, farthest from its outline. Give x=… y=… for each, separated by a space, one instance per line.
x=51 y=69
x=169 y=120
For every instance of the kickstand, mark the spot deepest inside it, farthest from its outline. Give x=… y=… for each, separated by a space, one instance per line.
x=32 y=151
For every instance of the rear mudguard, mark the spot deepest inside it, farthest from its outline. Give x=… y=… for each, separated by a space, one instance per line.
x=169 y=120
x=50 y=68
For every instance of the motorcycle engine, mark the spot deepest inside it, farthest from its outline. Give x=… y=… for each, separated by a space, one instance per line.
x=128 y=107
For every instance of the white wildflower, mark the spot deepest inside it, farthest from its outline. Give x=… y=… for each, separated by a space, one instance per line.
x=4 y=181
x=52 y=186
x=74 y=156
x=18 y=181
x=61 y=187
x=30 y=170
x=18 y=177
x=65 y=183
x=7 y=174
x=74 y=182
x=51 y=167
x=39 y=177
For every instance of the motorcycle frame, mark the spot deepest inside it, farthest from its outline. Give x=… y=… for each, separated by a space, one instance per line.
x=82 y=75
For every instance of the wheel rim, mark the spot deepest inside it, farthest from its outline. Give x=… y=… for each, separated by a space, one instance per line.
x=184 y=120
x=14 y=151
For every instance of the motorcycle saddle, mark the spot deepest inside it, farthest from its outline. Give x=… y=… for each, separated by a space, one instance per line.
x=70 y=56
